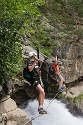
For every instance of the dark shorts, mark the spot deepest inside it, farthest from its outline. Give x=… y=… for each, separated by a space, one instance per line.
x=37 y=82
x=34 y=82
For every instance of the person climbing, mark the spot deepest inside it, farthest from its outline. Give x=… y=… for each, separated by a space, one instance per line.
x=32 y=66
x=57 y=72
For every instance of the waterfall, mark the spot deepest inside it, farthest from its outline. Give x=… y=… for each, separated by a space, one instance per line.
x=57 y=114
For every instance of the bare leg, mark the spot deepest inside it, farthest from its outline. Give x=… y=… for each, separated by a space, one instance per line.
x=41 y=99
x=41 y=95
x=61 y=80
x=60 y=84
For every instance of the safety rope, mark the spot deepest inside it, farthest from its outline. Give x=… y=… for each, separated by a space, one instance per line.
x=46 y=110
x=52 y=100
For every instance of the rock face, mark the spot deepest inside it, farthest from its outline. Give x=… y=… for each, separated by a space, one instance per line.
x=13 y=115
x=5 y=105
x=75 y=91
x=80 y=106
x=28 y=49
x=71 y=55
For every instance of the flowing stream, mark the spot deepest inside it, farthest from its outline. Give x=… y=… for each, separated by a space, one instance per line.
x=58 y=114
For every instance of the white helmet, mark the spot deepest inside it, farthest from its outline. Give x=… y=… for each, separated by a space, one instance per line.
x=32 y=54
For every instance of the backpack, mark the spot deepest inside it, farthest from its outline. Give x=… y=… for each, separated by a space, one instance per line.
x=27 y=74
x=51 y=70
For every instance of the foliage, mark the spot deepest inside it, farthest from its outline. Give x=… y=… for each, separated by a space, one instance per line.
x=78 y=98
x=40 y=34
x=14 y=14
x=64 y=15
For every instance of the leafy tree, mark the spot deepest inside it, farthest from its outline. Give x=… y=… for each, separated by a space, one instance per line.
x=13 y=15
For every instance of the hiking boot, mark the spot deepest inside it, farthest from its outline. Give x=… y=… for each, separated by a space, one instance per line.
x=61 y=89
x=42 y=111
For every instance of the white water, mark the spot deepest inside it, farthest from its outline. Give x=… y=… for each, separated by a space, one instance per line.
x=58 y=114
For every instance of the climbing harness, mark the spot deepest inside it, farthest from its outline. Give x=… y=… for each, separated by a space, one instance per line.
x=33 y=118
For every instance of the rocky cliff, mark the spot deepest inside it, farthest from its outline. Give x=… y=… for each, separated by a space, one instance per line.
x=71 y=55
x=10 y=114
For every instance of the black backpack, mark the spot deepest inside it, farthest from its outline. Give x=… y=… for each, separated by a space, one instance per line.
x=51 y=70
x=27 y=74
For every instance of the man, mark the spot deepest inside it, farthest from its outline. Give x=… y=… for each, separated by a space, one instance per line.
x=35 y=81
x=57 y=72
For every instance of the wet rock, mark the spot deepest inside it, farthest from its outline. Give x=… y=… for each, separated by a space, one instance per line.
x=74 y=109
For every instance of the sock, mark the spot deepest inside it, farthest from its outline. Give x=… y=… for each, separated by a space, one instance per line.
x=40 y=106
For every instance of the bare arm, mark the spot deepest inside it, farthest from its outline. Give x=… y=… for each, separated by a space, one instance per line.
x=32 y=67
